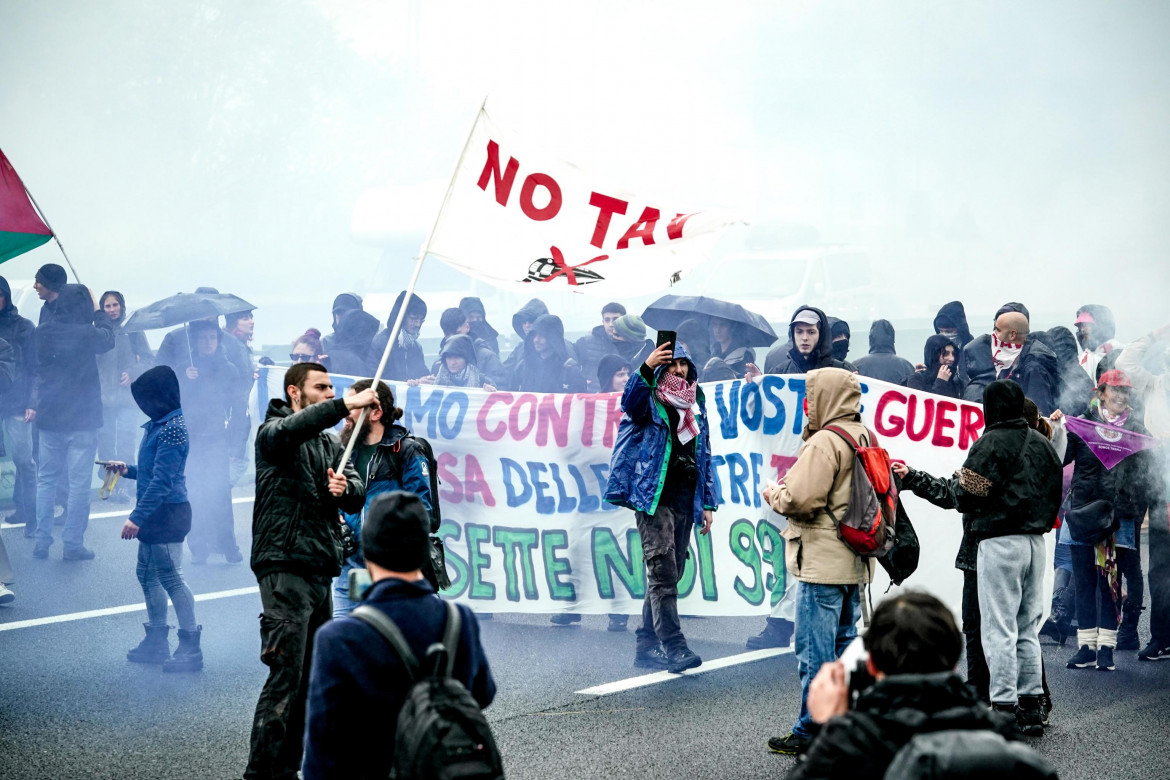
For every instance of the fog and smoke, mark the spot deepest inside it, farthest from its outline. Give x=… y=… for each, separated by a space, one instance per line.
x=989 y=152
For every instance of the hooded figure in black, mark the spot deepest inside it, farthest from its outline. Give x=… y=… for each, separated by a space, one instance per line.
x=128 y=360
x=406 y=359
x=786 y=358
x=341 y=304
x=951 y=321
x=351 y=353
x=933 y=379
x=480 y=328
x=882 y=362
x=1076 y=388
x=547 y=366
x=522 y=322
x=161 y=460
x=1010 y=484
x=206 y=383
x=458 y=365
x=839 y=329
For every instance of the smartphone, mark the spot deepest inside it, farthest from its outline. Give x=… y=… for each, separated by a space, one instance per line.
x=103 y=462
x=666 y=337
x=359 y=583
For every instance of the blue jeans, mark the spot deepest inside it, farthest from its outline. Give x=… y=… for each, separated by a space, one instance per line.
x=826 y=622
x=160 y=574
x=61 y=450
x=342 y=606
x=18 y=434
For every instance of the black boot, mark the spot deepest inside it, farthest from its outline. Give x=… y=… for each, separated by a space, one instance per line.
x=1030 y=717
x=1127 y=634
x=188 y=657
x=777 y=633
x=154 y=648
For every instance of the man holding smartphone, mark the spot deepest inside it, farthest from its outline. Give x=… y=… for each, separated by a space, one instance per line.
x=661 y=468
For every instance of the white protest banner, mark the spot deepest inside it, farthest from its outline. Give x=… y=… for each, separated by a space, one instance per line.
x=520 y=218
x=523 y=476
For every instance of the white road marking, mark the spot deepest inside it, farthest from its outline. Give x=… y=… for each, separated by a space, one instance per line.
x=660 y=677
x=122 y=610
x=120 y=513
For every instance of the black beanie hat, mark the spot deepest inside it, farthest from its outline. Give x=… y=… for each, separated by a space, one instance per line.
x=395 y=531
x=52 y=276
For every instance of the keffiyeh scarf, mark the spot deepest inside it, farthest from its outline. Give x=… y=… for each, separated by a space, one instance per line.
x=677 y=392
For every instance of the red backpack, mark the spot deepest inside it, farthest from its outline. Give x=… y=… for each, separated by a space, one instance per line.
x=868 y=525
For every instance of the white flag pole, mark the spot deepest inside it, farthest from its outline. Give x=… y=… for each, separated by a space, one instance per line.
x=56 y=238
x=418 y=263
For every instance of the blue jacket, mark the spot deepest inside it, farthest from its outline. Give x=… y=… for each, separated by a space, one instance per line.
x=162 y=458
x=357 y=685
x=390 y=470
x=637 y=469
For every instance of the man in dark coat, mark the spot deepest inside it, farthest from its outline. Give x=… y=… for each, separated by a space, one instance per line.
x=840 y=333
x=296 y=551
x=951 y=321
x=128 y=360
x=941 y=375
x=882 y=362
x=913 y=647
x=68 y=397
x=810 y=346
x=341 y=304
x=1009 y=491
x=454 y=322
x=547 y=366
x=356 y=677
x=50 y=279
x=522 y=323
x=599 y=343
x=1011 y=352
x=406 y=359
x=479 y=326
x=1075 y=387
x=16 y=409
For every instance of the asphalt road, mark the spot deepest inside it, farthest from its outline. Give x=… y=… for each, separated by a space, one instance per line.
x=71 y=706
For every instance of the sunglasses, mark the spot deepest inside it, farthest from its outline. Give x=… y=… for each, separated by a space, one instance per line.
x=297 y=357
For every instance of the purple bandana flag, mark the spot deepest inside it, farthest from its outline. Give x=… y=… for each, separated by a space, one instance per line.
x=1111 y=445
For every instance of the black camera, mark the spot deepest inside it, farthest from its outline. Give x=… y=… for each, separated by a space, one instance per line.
x=855 y=659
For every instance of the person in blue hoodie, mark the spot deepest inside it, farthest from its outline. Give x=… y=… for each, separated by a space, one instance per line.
x=161 y=521
x=661 y=468
x=386 y=458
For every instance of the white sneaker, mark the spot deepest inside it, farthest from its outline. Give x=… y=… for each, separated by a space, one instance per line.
x=6 y=596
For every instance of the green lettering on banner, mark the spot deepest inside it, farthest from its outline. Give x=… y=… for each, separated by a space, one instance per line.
x=772 y=545
x=555 y=567
x=518 y=542
x=608 y=560
x=456 y=566
x=707 y=568
x=477 y=561
x=743 y=547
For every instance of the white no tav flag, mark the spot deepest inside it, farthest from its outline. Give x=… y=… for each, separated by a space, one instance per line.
x=521 y=220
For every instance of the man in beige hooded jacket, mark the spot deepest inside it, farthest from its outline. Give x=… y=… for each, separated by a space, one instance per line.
x=828 y=598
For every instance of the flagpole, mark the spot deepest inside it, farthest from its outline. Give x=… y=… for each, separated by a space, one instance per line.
x=60 y=246
x=418 y=264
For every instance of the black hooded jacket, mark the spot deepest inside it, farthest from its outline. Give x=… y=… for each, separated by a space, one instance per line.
x=341 y=304
x=862 y=743
x=481 y=329
x=556 y=372
x=1011 y=482
x=785 y=359
x=68 y=392
x=927 y=380
x=595 y=346
x=953 y=315
x=529 y=312
x=404 y=363
x=208 y=398
x=1035 y=370
x=18 y=332
x=882 y=362
x=350 y=353
x=131 y=355
x=1076 y=389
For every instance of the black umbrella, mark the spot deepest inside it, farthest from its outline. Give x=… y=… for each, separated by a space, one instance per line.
x=182 y=308
x=668 y=312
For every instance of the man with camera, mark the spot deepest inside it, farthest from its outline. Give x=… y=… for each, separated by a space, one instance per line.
x=296 y=551
x=864 y=714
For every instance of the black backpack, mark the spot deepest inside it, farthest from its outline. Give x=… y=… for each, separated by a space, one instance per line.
x=409 y=446
x=442 y=733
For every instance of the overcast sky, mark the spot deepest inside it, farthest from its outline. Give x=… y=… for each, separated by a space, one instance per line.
x=997 y=150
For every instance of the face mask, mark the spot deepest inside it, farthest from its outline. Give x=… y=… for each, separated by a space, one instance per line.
x=1004 y=354
x=841 y=349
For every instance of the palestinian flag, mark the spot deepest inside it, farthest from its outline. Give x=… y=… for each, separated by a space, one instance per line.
x=21 y=228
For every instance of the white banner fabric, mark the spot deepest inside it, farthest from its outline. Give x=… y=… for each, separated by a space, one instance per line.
x=523 y=475
x=528 y=221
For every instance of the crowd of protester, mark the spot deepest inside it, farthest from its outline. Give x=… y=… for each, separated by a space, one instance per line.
x=76 y=386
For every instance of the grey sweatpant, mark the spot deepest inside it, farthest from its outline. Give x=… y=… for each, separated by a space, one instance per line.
x=1011 y=602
